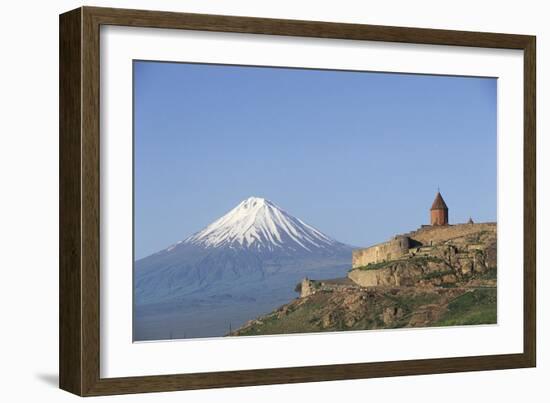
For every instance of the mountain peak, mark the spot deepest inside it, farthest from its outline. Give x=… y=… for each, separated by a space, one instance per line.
x=256 y=199
x=259 y=224
x=254 y=202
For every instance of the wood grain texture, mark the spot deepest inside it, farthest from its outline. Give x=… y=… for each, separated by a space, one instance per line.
x=80 y=200
x=530 y=202
x=316 y=29
x=70 y=314
x=90 y=202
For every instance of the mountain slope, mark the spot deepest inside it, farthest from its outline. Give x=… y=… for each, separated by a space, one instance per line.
x=249 y=260
x=259 y=224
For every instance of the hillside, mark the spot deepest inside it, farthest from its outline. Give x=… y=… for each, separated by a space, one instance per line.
x=448 y=279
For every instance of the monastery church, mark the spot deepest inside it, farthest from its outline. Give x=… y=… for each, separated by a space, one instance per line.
x=416 y=242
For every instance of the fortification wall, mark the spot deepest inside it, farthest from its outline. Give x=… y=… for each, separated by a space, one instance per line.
x=385 y=251
x=399 y=246
x=436 y=234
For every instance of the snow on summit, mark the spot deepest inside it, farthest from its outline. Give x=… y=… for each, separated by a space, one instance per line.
x=244 y=264
x=257 y=223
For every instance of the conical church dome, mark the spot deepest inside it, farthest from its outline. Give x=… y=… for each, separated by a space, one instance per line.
x=439 y=203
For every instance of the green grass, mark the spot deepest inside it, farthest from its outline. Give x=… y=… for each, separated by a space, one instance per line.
x=473 y=308
x=409 y=303
x=300 y=320
x=373 y=266
x=418 y=260
x=490 y=274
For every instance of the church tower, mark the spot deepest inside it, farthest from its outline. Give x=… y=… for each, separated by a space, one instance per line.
x=439 y=213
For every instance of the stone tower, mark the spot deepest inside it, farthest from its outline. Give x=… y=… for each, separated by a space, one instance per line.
x=439 y=213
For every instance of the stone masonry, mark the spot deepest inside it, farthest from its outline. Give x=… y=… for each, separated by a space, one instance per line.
x=385 y=251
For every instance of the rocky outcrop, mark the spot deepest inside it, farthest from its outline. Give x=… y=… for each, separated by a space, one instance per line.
x=447 y=262
x=392 y=314
x=401 y=274
x=358 y=308
x=450 y=281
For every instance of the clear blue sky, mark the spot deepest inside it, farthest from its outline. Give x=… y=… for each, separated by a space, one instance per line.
x=358 y=155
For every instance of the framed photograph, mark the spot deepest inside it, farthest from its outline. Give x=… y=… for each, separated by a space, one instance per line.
x=249 y=201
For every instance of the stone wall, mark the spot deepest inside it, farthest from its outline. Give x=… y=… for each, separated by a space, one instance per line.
x=428 y=235
x=397 y=275
x=431 y=235
x=385 y=251
x=307 y=288
x=457 y=254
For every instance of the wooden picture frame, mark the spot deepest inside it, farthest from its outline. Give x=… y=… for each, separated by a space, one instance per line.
x=79 y=317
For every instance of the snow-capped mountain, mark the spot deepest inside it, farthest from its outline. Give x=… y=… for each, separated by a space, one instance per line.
x=259 y=224
x=246 y=262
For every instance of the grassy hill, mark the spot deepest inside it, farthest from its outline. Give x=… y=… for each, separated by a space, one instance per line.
x=453 y=282
x=365 y=310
